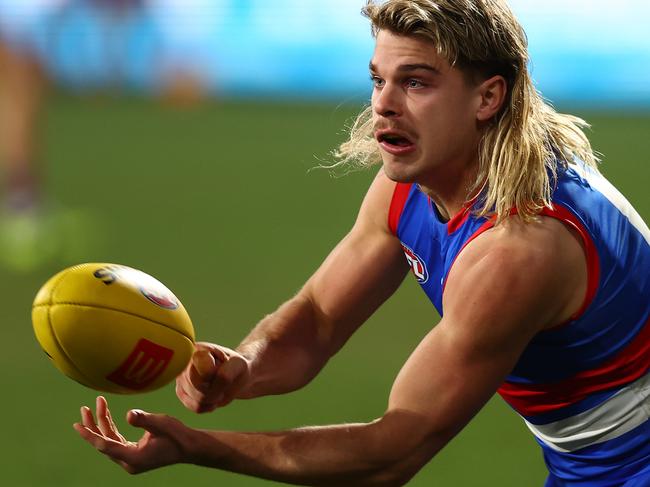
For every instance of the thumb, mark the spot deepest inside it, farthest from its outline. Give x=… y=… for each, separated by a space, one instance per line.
x=158 y=424
x=204 y=363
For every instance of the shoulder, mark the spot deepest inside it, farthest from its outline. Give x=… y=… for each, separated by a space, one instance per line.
x=534 y=244
x=376 y=204
x=535 y=269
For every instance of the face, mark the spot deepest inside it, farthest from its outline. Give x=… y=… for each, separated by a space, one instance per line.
x=424 y=111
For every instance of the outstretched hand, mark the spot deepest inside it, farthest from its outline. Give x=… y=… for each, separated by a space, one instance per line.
x=164 y=441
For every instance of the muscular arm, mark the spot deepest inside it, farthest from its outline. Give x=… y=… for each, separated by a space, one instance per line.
x=289 y=347
x=500 y=293
x=505 y=287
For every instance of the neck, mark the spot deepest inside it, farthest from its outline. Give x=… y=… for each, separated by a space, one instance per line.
x=450 y=190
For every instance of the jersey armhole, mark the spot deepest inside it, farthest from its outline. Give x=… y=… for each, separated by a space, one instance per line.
x=566 y=216
x=397 y=203
x=483 y=228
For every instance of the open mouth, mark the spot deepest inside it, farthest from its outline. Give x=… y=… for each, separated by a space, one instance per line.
x=395 y=140
x=394 y=143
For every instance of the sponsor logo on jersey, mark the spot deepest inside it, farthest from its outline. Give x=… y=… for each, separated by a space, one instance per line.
x=160 y=298
x=417 y=265
x=143 y=366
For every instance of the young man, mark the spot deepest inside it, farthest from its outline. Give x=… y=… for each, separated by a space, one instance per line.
x=537 y=265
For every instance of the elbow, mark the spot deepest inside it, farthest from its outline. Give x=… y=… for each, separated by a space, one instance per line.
x=403 y=447
x=385 y=476
x=392 y=477
x=397 y=470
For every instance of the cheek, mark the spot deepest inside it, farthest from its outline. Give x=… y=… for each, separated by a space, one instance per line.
x=461 y=114
x=448 y=130
x=447 y=121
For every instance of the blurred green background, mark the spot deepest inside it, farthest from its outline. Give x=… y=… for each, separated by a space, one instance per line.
x=219 y=203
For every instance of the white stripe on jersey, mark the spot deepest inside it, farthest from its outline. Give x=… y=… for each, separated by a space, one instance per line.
x=603 y=186
x=624 y=411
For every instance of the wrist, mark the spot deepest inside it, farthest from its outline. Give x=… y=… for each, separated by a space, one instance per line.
x=202 y=448
x=246 y=389
x=190 y=446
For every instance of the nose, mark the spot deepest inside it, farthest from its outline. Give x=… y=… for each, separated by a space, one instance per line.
x=387 y=101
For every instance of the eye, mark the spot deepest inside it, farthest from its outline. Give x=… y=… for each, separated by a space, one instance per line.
x=414 y=83
x=377 y=81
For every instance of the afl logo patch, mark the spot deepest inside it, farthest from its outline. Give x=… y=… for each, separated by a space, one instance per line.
x=417 y=265
x=162 y=299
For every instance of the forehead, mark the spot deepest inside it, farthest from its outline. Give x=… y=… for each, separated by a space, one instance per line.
x=393 y=50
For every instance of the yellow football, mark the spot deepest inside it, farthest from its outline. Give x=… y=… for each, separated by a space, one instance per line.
x=113 y=328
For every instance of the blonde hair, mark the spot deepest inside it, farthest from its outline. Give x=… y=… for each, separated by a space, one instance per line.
x=527 y=140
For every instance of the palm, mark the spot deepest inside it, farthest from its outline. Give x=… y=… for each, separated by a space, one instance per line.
x=155 y=449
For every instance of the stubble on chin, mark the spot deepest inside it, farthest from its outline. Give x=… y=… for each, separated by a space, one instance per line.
x=397 y=172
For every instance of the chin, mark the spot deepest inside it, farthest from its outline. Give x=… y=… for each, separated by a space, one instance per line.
x=400 y=173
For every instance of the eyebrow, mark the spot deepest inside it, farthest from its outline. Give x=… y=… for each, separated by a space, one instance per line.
x=409 y=67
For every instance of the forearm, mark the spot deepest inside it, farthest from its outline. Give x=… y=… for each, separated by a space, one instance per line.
x=351 y=454
x=286 y=349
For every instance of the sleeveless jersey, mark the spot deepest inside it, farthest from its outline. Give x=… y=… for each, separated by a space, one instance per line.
x=583 y=387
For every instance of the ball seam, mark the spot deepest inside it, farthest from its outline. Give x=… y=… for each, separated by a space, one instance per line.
x=55 y=336
x=108 y=308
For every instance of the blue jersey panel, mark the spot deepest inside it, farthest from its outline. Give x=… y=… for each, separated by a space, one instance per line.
x=582 y=387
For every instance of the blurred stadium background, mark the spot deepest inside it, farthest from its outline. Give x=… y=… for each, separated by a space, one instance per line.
x=182 y=133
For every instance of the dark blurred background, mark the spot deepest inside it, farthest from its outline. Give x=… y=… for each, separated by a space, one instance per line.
x=179 y=137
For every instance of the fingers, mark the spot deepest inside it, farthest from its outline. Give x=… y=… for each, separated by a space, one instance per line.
x=194 y=387
x=104 y=436
x=118 y=452
x=197 y=398
x=229 y=379
x=91 y=433
x=205 y=362
x=94 y=437
x=105 y=421
x=165 y=440
x=208 y=378
x=190 y=402
x=88 y=421
x=104 y=427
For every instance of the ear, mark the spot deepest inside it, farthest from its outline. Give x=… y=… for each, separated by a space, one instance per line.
x=492 y=94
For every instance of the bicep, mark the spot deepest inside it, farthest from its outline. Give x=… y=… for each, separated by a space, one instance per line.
x=492 y=311
x=446 y=381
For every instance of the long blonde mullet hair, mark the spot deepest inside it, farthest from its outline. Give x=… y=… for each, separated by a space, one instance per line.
x=522 y=147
